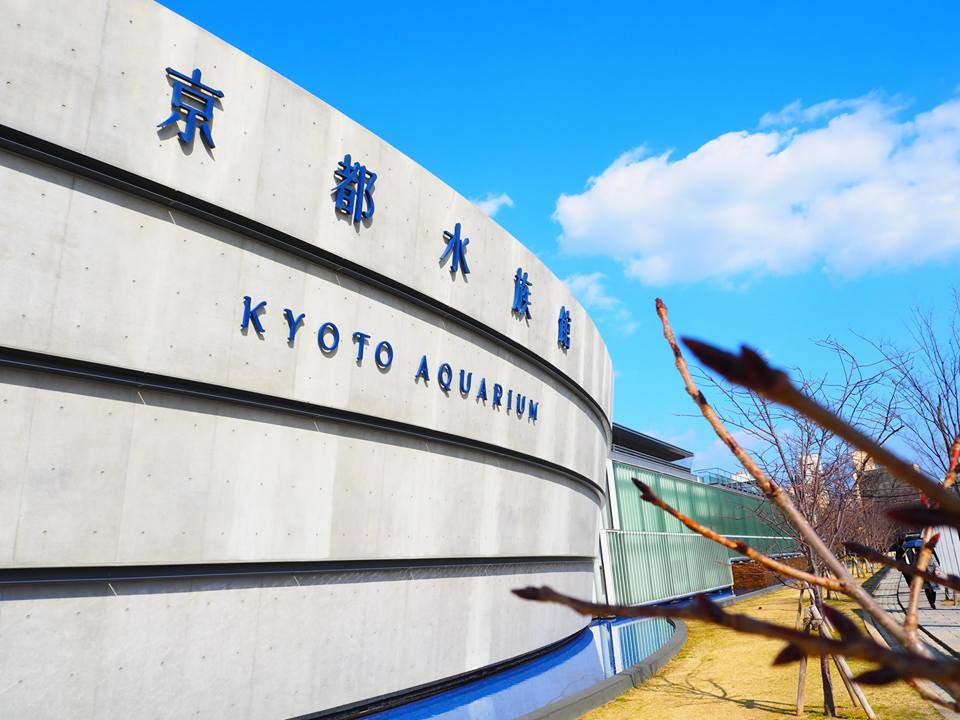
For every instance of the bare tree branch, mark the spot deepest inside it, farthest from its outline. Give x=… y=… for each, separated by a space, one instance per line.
x=814 y=480
x=903 y=664
x=754 y=371
x=740 y=546
x=911 y=620
x=750 y=370
x=932 y=697
x=950 y=581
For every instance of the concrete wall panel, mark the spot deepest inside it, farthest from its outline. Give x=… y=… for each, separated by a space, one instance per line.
x=113 y=475
x=141 y=287
x=277 y=148
x=104 y=477
x=262 y=647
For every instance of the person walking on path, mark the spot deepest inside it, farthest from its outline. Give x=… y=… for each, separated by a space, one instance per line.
x=909 y=551
x=929 y=589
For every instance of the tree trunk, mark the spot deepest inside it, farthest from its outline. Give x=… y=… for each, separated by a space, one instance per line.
x=829 y=708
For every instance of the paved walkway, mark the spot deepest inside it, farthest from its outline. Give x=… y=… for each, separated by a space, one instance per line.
x=941 y=627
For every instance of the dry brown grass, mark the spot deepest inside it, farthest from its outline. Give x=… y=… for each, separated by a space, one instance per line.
x=721 y=675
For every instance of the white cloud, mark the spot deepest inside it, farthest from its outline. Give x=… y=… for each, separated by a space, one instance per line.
x=628 y=326
x=864 y=191
x=491 y=204
x=590 y=290
x=716 y=454
x=796 y=114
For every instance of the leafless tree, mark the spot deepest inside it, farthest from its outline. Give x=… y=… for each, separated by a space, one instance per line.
x=926 y=373
x=818 y=468
x=909 y=660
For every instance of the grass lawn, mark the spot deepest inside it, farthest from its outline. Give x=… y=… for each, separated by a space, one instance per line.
x=721 y=674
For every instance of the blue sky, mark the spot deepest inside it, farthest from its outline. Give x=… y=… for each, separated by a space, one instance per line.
x=812 y=185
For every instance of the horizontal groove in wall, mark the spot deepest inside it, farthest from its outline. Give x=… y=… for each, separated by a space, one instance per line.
x=38 y=362
x=131 y=573
x=49 y=153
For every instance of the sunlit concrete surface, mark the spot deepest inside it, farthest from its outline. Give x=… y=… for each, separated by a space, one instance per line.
x=202 y=521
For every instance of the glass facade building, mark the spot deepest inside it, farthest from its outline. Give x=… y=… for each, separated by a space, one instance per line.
x=650 y=556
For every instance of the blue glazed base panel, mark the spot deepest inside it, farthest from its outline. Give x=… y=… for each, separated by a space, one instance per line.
x=598 y=652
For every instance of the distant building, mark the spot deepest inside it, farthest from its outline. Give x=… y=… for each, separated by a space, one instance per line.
x=875 y=482
x=739 y=481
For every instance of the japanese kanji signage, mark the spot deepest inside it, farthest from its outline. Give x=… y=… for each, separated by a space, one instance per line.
x=188 y=92
x=193 y=103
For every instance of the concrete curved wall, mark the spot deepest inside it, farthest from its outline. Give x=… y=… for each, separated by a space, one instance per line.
x=277 y=146
x=175 y=490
